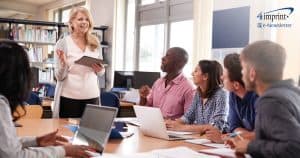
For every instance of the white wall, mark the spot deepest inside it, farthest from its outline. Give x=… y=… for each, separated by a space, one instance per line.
x=285 y=36
x=103 y=14
x=290 y=39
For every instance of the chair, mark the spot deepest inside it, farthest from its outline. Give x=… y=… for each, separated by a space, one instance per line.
x=32 y=111
x=34 y=99
x=110 y=99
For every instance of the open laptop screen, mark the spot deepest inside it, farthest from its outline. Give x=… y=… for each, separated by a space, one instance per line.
x=95 y=126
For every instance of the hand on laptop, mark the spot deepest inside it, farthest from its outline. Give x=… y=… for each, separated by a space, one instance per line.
x=79 y=151
x=175 y=125
x=51 y=139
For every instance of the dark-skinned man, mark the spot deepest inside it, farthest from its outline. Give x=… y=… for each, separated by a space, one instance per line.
x=173 y=93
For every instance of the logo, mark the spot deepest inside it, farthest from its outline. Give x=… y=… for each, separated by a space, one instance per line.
x=275 y=18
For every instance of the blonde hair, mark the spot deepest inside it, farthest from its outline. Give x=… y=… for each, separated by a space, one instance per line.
x=92 y=41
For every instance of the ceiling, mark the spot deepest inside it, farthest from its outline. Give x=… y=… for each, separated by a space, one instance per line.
x=20 y=9
x=35 y=2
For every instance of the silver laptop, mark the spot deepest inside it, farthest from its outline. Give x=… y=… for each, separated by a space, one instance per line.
x=95 y=126
x=152 y=123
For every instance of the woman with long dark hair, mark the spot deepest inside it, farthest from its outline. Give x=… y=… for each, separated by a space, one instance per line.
x=209 y=104
x=14 y=90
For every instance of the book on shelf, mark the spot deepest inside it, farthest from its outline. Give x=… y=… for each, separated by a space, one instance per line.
x=34 y=34
x=35 y=54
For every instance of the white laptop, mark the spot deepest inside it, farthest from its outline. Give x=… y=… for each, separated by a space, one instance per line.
x=95 y=126
x=152 y=123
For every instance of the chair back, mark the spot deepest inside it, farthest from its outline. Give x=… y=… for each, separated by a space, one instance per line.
x=34 y=99
x=32 y=111
x=110 y=99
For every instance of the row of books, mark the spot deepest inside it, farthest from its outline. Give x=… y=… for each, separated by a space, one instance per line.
x=29 y=33
x=35 y=54
x=46 y=75
x=34 y=34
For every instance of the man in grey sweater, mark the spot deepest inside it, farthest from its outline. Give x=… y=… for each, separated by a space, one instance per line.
x=277 y=124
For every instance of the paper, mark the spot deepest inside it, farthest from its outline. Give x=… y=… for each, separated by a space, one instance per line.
x=198 y=141
x=132 y=96
x=215 y=145
x=179 y=133
x=206 y=142
x=179 y=152
x=89 y=61
x=224 y=152
x=129 y=120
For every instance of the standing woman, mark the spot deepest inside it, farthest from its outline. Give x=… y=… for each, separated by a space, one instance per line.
x=209 y=104
x=14 y=90
x=77 y=85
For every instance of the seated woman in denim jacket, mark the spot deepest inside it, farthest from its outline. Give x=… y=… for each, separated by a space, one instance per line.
x=209 y=104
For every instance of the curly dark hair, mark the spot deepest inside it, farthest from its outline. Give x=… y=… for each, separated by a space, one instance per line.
x=15 y=75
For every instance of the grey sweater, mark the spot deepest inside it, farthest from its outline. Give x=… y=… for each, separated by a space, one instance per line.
x=277 y=124
x=13 y=147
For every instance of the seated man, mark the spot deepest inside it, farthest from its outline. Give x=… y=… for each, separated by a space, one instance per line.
x=173 y=93
x=241 y=102
x=277 y=123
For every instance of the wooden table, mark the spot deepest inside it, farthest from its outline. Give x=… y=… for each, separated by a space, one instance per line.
x=136 y=143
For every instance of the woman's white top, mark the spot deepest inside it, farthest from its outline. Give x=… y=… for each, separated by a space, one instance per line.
x=81 y=81
x=73 y=80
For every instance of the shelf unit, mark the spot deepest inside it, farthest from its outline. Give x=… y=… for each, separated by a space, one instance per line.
x=42 y=64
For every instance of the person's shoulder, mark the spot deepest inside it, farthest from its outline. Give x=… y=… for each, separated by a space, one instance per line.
x=157 y=82
x=220 y=92
x=187 y=82
x=3 y=99
x=4 y=104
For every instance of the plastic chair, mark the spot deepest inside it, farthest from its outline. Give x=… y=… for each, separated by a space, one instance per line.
x=32 y=111
x=34 y=99
x=110 y=99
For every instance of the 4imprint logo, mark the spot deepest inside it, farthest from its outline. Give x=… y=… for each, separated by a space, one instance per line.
x=277 y=14
x=275 y=18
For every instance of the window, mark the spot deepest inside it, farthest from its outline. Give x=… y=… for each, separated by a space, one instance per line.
x=181 y=35
x=145 y=2
x=151 y=27
x=162 y=25
x=130 y=33
x=151 y=47
x=62 y=14
x=65 y=15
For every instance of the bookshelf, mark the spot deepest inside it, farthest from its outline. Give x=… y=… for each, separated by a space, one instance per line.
x=39 y=38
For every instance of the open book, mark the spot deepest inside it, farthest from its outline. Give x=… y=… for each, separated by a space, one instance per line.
x=89 y=61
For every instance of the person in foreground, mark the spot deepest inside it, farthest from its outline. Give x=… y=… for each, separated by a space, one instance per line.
x=15 y=87
x=209 y=105
x=241 y=115
x=277 y=123
x=173 y=93
x=77 y=85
